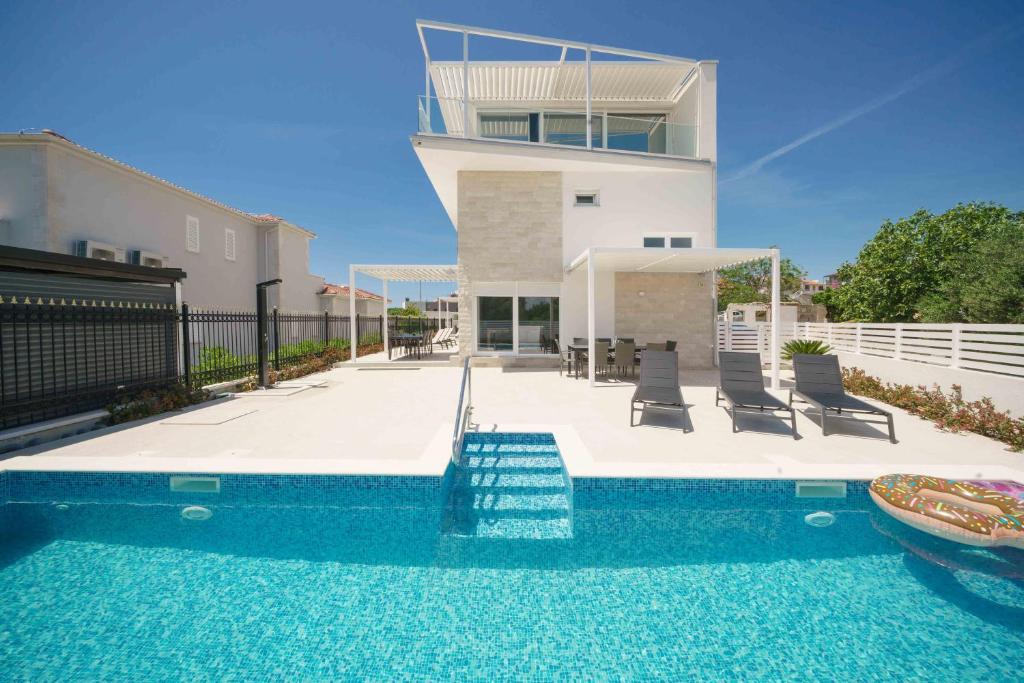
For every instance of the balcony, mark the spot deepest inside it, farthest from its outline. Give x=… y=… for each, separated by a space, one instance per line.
x=645 y=133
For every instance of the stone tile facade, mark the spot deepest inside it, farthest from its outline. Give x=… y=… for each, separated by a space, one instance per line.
x=510 y=229
x=674 y=306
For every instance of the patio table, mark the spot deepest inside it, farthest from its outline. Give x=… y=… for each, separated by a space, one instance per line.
x=579 y=349
x=406 y=340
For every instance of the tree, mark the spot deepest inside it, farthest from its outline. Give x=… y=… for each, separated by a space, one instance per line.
x=752 y=282
x=410 y=310
x=988 y=285
x=914 y=260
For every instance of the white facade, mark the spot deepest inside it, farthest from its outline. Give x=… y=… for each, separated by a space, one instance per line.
x=495 y=136
x=55 y=194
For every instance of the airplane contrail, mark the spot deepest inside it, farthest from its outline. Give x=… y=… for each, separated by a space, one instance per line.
x=941 y=68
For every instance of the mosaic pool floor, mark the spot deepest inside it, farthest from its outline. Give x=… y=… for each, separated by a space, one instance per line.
x=654 y=584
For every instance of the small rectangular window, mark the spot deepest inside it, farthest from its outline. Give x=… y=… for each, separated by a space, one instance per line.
x=586 y=199
x=192 y=234
x=229 y=244
x=681 y=242
x=654 y=242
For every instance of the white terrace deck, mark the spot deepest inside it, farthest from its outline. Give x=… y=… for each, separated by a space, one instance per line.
x=399 y=421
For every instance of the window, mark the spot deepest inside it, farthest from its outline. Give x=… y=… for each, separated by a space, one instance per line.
x=669 y=241
x=229 y=244
x=586 y=199
x=571 y=129
x=518 y=126
x=637 y=132
x=494 y=323
x=538 y=324
x=192 y=234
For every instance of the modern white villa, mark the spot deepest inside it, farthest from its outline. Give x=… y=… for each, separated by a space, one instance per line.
x=583 y=190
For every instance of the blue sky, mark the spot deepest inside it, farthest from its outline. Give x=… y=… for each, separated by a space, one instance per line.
x=832 y=116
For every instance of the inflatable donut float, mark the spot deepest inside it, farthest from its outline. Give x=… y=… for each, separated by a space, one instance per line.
x=955 y=510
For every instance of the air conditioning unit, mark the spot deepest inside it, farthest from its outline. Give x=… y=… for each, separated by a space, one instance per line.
x=99 y=250
x=140 y=257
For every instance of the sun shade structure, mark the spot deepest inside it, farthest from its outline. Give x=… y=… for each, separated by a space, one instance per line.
x=695 y=260
x=633 y=78
x=399 y=273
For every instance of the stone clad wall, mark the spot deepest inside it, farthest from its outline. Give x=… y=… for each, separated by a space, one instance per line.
x=674 y=306
x=510 y=229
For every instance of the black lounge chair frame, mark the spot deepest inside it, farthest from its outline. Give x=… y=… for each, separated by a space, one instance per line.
x=658 y=385
x=741 y=386
x=819 y=382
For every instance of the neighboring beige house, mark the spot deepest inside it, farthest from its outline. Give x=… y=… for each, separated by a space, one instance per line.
x=335 y=300
x=58 y=196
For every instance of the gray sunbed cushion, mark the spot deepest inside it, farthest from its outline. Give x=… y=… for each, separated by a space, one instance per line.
x=742 y=382
x=819 y=379
x=659 y=379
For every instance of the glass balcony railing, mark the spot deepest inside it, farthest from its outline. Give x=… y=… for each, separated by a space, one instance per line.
x=644 y=133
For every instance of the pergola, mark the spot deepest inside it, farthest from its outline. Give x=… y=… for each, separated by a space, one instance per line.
x=695 y=260
x=387 y=273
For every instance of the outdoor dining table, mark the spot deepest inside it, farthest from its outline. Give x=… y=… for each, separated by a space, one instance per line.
x=406 y=340
x=579 y=349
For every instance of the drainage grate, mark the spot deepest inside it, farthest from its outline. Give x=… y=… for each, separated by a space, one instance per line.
x=195 y=484
x=821 y=489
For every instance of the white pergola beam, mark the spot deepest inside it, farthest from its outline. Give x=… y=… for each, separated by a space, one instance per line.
x=591 y=321
x=556 y=42
x=776 y=318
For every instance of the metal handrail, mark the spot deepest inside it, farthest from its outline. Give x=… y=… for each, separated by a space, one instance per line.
x=462 y=415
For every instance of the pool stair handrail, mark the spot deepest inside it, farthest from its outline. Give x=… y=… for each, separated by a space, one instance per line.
x=463 y=414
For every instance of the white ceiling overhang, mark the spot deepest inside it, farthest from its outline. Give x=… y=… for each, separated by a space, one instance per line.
x=642 y=260
x=655 y=83
x=409 y=273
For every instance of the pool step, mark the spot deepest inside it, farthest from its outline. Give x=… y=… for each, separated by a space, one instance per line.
x=514 y=490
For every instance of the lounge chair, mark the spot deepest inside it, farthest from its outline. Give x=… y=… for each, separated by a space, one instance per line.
x=659 y=383
x=670 y=345
x=436 y=339
x=741 y=385
x=820 y=383
x=656 y=346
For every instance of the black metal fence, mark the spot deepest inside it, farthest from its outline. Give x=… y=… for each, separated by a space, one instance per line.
x=58 y=358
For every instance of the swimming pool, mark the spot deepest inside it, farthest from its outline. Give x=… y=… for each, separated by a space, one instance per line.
x=335 y=578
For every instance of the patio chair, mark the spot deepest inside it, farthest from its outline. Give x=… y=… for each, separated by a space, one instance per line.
x=659 y=384
x=564 y=358
x=628 y=340
x=741 y=385
x=656 y=346
x=580 y=340
x=436 y=339
x=606 y=340
x=670 y=345
x=600 y=358
x=820 y=383
x=625 y=356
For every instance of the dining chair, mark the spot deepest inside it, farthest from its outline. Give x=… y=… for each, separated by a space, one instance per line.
x=670 y=345
x=655 y=346
x=625 y=356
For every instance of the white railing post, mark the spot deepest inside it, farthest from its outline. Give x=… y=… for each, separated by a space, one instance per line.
x=465 y=84
x=760 y=338
x=897 y=344
x=728 y=335
x=857 y=346
x=590 y=130
x=954 y=357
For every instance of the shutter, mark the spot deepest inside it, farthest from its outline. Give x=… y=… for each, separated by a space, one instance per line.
x=229 y=244
x=192 y=234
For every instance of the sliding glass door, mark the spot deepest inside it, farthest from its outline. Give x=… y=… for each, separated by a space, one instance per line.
x=538 y=324
x=494 y=323
x=517 y=325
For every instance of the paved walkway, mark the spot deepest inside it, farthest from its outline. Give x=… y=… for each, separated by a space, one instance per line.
x=399 y=420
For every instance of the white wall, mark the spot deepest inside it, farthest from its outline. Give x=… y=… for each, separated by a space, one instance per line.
x=1007 y=393
x=93 y=200
x=299 y=289
x=633 y=204
x=23 y=196
x=573 y=305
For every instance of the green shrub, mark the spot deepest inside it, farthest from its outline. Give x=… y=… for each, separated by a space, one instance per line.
x=948 y=411
x=140 y=404
x=808 y=346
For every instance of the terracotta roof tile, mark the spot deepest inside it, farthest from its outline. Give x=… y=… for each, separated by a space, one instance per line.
x=342 y=290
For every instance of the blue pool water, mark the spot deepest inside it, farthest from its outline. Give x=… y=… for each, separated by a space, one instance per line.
x=502 y=571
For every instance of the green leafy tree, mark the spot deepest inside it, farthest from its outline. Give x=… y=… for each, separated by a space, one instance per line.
x=911 y=261
x=752 y=282
x=410 y=310
x=988 y=285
